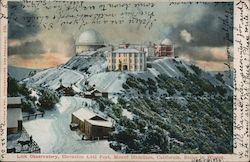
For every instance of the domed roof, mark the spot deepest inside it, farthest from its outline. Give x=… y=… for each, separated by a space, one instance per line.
x=166 y=41
x=90 y=37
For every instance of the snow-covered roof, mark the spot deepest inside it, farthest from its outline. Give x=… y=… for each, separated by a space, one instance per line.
x=84 y=114
x=126 y=50
x=14 y=100
x=92 y=91
x=100 y=123
x=87 y=52
x=13 y=116
x=90 y=37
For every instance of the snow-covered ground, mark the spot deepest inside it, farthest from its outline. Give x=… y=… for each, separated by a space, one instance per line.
x=53 y=135
x=108 y=81
x=127 y=113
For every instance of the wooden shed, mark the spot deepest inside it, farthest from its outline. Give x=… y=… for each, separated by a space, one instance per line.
x=14 y=115
x=94 y=94
x=92 y=125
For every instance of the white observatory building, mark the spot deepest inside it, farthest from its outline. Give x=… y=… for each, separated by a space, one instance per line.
x=89 y=40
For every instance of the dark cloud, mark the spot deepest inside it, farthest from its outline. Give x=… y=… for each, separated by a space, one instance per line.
x=27 y=49
x=17 y=26
x=209 y=30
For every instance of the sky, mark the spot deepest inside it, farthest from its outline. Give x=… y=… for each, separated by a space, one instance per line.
x=201 y=33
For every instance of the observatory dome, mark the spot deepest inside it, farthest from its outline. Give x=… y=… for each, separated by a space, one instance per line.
x=90 y=37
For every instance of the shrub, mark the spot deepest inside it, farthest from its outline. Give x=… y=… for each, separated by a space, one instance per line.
x=48 y=99
x=149 y=65
x=219 y=77
x=125 y=86
x=196 y=69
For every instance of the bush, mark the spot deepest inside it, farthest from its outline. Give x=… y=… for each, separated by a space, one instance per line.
x=219 y=77
x=125 y=86
x=196 y=69
x=149 y=65
x=48 y=99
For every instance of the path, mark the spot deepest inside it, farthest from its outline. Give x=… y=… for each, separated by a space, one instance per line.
x=53 y=134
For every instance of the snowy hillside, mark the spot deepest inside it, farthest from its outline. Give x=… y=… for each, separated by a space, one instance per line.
x=168 y=66
x=74 y=72
x=82 y=69
x=153 y=110
x=20 y=73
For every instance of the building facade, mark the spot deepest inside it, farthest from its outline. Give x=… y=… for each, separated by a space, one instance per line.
x=127 y=59
x=164 y=50
x=14 y=115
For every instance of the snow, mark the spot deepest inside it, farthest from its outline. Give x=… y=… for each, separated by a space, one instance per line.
x=153 y=71
x=34 y=94
x=108 y=81
x=166 y=66
x=128 y=114
x=53 y=134
x=74 y=72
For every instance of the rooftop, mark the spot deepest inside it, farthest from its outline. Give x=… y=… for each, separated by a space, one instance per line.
x=85 y=114
x=14 y=100
x=100 y=123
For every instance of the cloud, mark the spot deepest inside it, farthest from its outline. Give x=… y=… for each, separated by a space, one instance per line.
x=207 y=29
x=186 y=36
x=46 y=60
x=197 y=35
x=27 y=49
x=17 y=27
x=211 y=66
x=215 y=54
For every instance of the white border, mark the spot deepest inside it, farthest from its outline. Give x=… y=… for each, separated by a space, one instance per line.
x=241 y=114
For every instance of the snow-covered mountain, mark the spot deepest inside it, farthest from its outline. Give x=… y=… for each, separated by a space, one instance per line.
x=82 y=69
x=20 y=73
x=172 y=101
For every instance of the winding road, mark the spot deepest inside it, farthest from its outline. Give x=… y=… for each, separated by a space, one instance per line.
x=53 y=135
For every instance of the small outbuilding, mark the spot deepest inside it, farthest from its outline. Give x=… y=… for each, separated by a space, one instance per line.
x=92 y=125
x=94 y=94
x=14 y=115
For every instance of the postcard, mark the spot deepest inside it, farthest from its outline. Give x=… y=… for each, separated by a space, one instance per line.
x=124 y=80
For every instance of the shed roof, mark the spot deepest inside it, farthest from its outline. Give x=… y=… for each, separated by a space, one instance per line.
x=14 y=100
x=13 y=116
x=100 y=123
x=84 y=114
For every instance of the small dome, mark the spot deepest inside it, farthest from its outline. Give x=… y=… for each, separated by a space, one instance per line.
x=166 y=42
x=90 y=37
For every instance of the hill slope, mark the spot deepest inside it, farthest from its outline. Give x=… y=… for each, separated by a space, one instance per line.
x=172 y=107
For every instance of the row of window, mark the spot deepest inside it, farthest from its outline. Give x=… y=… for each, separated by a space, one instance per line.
x=130 y=67
x=130 y=60
x=126 y=54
